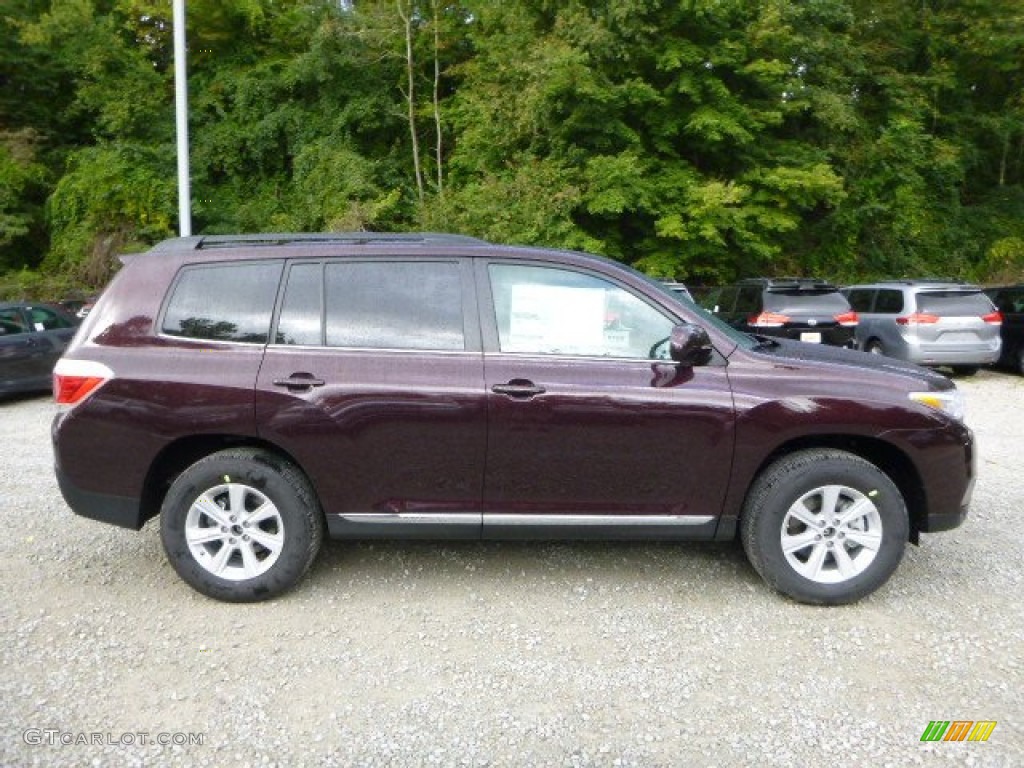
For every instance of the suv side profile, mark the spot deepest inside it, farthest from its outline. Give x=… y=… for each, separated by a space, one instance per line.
x=1009 y=300
x=804 y=309
x=928 y=322
x=258 y=393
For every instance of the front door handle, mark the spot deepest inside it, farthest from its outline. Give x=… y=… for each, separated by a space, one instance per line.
x=299 y=381
x=518 y=388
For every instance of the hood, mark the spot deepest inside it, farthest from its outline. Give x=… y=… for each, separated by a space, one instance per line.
x=800 y=351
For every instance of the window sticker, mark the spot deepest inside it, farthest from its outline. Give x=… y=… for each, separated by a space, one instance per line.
x=556 y=319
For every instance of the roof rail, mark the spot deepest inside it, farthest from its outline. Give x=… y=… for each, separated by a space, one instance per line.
x=790 y=283
x=206 y=242
x=925 y=280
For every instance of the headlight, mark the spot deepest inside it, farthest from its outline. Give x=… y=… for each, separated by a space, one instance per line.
x=950 y=401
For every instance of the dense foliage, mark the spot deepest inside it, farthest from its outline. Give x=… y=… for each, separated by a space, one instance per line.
x=697 y=139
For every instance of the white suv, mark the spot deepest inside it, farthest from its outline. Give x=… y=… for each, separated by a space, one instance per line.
x=927 y=322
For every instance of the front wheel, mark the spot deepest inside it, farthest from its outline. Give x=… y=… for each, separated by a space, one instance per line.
x=241 y=525
x=824 y=526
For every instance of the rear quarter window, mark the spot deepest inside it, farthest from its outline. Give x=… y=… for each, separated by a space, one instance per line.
x=223 y=302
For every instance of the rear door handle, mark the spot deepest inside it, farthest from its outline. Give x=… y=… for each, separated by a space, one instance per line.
x=299 y=381
x=518 y=388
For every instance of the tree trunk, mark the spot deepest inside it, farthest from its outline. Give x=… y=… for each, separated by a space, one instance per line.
x=437 y=102
x=410 y=95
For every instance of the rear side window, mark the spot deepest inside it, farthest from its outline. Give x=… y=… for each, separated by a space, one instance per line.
x=860 y=299
x=11 y=322
x=1009 y=301
x=720 y=299
x=394 y=305
x=749 y=300
x=954 y=304
x=889 y=302
x=301 y=320
x=224 y=302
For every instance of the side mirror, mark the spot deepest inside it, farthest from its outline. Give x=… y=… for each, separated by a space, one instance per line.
x=690 y=345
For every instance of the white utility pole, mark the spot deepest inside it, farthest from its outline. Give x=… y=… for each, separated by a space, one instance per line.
x=181 y=115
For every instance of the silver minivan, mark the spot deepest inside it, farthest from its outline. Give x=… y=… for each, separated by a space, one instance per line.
x=927 y=322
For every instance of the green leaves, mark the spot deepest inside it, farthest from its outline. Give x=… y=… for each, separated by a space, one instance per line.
x=701 y=140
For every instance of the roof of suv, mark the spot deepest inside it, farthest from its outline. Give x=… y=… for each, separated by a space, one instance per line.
x=931 y=282
x=207 y=242
x=790 y=283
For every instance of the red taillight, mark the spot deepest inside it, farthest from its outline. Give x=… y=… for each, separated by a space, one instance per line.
x=74 y=380
x=767 y=320
x=68 y=390
x=993 y=318
x=848 y=319
x=918 y=318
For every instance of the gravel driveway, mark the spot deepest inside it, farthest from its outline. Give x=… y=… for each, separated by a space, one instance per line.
x=505 y=654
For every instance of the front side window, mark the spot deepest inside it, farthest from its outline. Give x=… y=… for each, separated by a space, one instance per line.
x=550 y=311
x=224 y=302
x=394 y=305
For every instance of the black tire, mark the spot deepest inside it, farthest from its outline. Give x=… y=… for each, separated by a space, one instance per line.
x=270 y=533
x=1019 y=361
x=965 y=370
x=768 y=516
x=875 y=347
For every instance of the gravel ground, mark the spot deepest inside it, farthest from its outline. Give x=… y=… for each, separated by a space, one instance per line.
x=505 y=654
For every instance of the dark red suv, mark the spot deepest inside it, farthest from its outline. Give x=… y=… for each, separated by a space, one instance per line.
x=256 y=392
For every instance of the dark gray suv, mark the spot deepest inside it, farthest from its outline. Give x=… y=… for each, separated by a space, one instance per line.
x=803 y=309
x=260 y=393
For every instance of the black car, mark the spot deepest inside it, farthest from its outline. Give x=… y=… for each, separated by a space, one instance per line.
x=794 y=308
x=32 y=338
x=1009 y=300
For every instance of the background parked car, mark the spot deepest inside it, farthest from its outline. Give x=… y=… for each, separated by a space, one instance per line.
x=32 y=338
x=928 y=322
x=794 y=308
x=1009 y=300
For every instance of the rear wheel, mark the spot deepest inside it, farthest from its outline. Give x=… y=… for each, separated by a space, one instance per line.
x=824 y=526
x=1019 y=362
x=241 y=525
x=875 y=347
